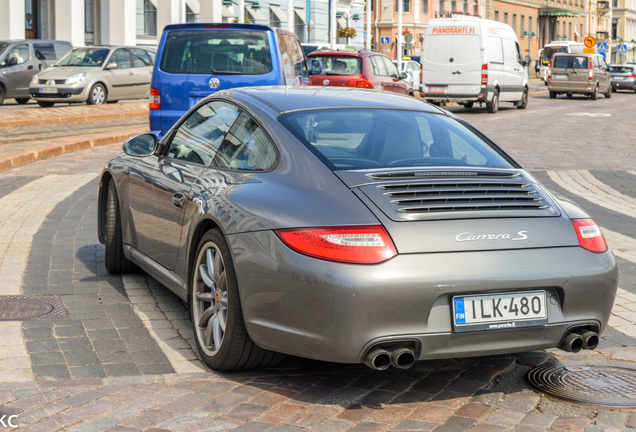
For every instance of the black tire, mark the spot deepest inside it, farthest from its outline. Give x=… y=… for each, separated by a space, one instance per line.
x=608 y=95
x=45 y=104
x=1 y=95
x=594 y=94
x=553 y=94
x=97 y=95
x=523 y=103
x=468 y=105
x=493 y=105
x=214 y=298
x=114 y=260
x=22 y=101
x=613 y=90
x=569 y=95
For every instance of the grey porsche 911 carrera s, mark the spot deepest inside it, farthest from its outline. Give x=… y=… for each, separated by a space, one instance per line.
x=351 y=226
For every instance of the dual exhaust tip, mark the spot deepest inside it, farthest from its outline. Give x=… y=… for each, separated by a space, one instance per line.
x=577 y=339
x=380 y=358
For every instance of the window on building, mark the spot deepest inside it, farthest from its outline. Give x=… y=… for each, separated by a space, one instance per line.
x=496 y=15
x=453 y=5
x=146 y=18
x=523 y=24
x=465 y=8
x=424 y=6
x=530 y=24
x=273 y=19
x=505 y=18
x=514 y=22
x=191 y=16
x=88 y=16
x=406 y=6
x=440 y=5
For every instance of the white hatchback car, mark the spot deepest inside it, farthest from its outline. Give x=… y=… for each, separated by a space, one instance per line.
x=413 y=71
x=95 y=75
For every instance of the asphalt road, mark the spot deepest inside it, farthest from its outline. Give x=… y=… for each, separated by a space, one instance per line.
x=123 y=359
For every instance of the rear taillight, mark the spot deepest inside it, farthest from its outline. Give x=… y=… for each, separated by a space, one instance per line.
x=550 y=70
x=631 y=76
x=359 y=82
x=155 y=99
x=421 y=68
x=590 y=70
x=367 y=244
x=589 y=235
x=484 y=74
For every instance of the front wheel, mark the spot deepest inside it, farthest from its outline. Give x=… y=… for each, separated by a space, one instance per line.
x=609 y=92
x=217 y=318
x=22 y=101
x=523 y=103
x=114 y=258
x=493 y=105
x=45 y=104
x=97 y=95
x=553 y=94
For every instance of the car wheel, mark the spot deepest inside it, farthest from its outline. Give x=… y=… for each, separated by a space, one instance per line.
x=217 y=318
x=594 y=94
x=468 y=105
x=609 y=92
x=553 y=94
x=1 y=95
x=114 y=259
x=97 y=95
x=523 y=103
x=493 y=105
x=45 y=104
x=569 y=95
x=613 y=90
x=22 y=101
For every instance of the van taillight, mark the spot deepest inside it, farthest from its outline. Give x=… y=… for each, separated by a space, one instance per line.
x=360 y=82
x=484 y=74
x=155 y=99
x=590 y=70
x=421 y=67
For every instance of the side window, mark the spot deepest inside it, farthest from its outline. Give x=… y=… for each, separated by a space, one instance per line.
x=153 y=56
x=390 y=68
x=122 y=58
x=287 y=56
x=510 y=51
x=378 y=66
x=18 y=55
x=140 y=58
x=44 y=51
x=495 y=50
x=246 y=147
x=198 y=138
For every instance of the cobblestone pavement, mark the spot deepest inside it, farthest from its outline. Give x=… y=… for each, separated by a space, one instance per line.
x=123 y=358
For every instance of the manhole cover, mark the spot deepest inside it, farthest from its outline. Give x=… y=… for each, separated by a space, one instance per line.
x=29 y=308
x=609 y=385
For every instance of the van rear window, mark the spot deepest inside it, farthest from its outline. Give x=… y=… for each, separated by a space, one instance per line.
x=216 y=52
x=570 y=62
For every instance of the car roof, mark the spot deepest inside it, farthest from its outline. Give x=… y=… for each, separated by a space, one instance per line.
x=280 y=99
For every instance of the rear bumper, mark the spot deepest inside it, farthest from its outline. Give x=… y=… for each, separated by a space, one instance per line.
x=335 y=312
x=485 y=94
x=624 y=85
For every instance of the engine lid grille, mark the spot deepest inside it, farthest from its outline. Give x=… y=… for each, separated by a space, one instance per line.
x=453 y=195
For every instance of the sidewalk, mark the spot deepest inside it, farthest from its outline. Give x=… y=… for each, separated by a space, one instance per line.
x=59 y=130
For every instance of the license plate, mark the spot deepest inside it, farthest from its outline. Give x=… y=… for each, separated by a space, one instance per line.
x=432 y=89
x=499 y=311
x=560 y=76
x=48 y=90
x=617 y=78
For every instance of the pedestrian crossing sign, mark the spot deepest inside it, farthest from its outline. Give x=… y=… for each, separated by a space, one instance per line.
x=622 y=49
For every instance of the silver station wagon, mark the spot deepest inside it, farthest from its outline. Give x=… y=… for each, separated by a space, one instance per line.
x=95 y=75
x=353 y=226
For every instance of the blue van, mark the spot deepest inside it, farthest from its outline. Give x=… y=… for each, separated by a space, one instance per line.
x=195 y=60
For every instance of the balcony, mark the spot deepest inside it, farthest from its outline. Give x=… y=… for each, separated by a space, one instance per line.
x=602 y=35
x=603 y=5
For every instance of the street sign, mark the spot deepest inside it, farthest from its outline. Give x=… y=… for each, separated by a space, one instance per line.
x=589 y=50
x=589 y=41
x=622 y=49
x=602 y=47
x=385 y=40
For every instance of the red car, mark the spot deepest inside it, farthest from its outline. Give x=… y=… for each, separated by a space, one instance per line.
x=363 y=68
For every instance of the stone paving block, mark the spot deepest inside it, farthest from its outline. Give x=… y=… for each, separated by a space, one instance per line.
x=120 y=369
x=538 y=419
x=413 y=425
x=52 y=372
x=611 y=419
x=521 y=402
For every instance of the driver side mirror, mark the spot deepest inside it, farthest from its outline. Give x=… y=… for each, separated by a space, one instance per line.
x=112 y=65
x=403 y=75
x=316 y=67
x=141 y=145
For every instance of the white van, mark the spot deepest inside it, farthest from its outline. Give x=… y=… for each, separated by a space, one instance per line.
x=468 y=60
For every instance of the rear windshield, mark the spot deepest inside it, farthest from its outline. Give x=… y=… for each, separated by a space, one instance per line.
x=216 y=52
x=340 y=65
x=377 y=138
x=570 y=62
x=621 y=69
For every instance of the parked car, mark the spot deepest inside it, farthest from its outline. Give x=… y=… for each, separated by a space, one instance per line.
x=311 y=47
x=586 y=74
x=20 y=60
x=353 y=226
x=470 y=60
x=197 y=59
x=362 y=68
x=623 y=77
x=413 y=72
x=95 y=75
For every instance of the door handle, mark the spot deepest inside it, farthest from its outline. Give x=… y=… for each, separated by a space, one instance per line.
x=178 y=199
x=40 y=66
x=457 y=73
x=30 y=67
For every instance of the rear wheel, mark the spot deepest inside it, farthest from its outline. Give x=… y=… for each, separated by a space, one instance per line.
x=594 y=94
x=569 y=95
x=493 y=105
x=22 y=101
x=1 y=95
x=609 y=92
x=114 y=259
x=45 y=104
x=468 y=105
x=523 y=103
x=553 y=94
x=217 y=318
x=97 y=95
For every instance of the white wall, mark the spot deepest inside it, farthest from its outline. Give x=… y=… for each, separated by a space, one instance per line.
x=69 y=21
x=11 y=19
x=118 y=22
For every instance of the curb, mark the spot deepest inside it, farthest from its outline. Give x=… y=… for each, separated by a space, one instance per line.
x=63 y=119
x=47 y=152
